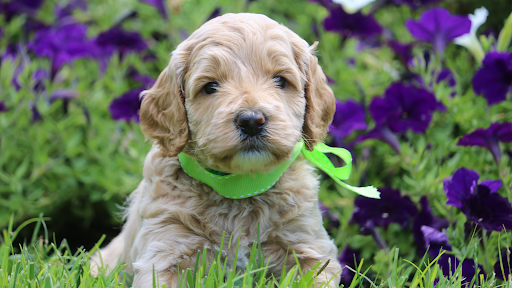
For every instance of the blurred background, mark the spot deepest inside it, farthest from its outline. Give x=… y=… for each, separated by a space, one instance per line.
x=71 y=71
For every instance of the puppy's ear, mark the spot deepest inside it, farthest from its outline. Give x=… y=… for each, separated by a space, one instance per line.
x=320 y=103
x=162 y=114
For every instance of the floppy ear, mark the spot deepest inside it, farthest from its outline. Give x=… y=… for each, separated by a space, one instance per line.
x=320 y=103
x=162 y=114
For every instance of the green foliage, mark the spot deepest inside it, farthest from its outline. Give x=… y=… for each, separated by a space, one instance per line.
x=79 y=159
x=41 y=263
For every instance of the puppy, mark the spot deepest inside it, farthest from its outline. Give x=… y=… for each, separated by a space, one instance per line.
x=237 y=96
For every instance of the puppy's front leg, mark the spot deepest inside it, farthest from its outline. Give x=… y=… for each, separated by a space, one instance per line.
x=165 y=247
x=308 y=238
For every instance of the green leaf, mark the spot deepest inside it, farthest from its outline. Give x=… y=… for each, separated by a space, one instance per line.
x=505 y=35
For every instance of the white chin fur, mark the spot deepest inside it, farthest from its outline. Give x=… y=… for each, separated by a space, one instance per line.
x=252 y=161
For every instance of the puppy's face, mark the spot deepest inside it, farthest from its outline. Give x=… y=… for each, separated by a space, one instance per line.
x=245 y=88
x=245 y=102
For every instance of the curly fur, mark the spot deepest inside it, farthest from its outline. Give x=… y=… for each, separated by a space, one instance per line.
x=171 y=216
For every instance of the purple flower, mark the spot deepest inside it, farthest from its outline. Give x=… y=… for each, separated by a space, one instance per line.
x=348 y=258
x=351 y=25
x=18 y=7
x=446 y=75
x=328 y=4
x=415 y=4
x=425 y=218
x=384 y=134
x=438 y=27
x=505 y=262
x=3 y=107
x=146 y=80
x=402 y=51
x=40 y=76
x=127 y=106
x=330 y=81
x=332 y=220
x=494 y=78
x=215 y=13
x=489 y=138
x=449 y=264
x=36 y=116
x=435 y=240
x=314 y=28
x=61 y=12
x=404 y=107
x=118 y=39
x=479 y=202
x=159 y=5
x=62 y=44
x=349 y=117
x=391 y=208
x=64 y=94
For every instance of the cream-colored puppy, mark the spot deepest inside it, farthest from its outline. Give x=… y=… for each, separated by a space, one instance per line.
x=237 y=96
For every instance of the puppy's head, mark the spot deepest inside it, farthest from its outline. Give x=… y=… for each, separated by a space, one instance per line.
x=238 y=94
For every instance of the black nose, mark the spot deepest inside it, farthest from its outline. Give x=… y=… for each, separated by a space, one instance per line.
x=251 y=122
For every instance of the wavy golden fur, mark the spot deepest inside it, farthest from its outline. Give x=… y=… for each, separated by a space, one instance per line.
x=171 y=215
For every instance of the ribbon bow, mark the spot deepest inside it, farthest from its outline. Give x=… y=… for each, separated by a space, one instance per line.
x=320 y=160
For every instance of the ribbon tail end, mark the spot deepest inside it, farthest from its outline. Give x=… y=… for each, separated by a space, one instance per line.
x=368 y=191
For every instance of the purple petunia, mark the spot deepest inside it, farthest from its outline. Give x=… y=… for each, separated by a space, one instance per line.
x=505 y=263
x=17 y=7
x=36 y=115
x=146 y=81
x=479 y=202
x=215 y=13
x=446 y=75
x=62 y=43
x=159 y=5
x=118 y=39
x=425 y=218
x=328 y=4
x=61 y=12
x=449 y=264
x=391 y=208
x=330 y=81
x=404 y=107
x=384 y=134
x=127 y=106
x=438 y=27
x=333 y=221
x=348 y=258
x=3 y=107
x=63 y=94
x=402 y=51
x=415 y=4
x=351 y=25
x=489 y=138
x=40 y=76
x=121 y=40
x=349 y=117
x=434 y=240
x=494 y=78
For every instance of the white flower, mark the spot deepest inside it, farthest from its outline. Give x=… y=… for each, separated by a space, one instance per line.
x=469 y=40
x=352 y=6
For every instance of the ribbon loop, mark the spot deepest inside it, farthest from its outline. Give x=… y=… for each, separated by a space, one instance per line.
x=320 y=160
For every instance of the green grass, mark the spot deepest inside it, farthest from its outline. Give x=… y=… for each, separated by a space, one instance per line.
x=43 y=263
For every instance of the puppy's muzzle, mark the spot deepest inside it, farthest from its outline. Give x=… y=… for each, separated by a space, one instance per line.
x=251 y=123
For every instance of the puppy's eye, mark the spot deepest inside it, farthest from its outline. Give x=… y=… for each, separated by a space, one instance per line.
x=281 y=82
x=211 y=88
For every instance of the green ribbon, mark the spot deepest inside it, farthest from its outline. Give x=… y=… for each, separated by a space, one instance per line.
x=318 y=158
x=239 y=186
